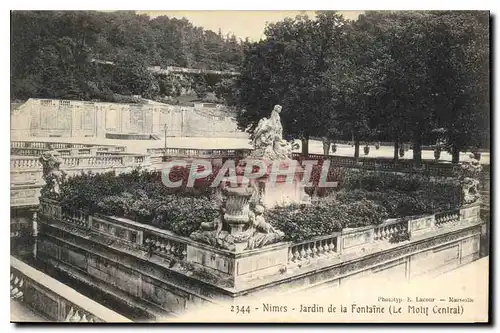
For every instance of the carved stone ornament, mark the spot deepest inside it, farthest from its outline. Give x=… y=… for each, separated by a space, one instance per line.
x=51 y=161
x=240 y=224
x=268 y=140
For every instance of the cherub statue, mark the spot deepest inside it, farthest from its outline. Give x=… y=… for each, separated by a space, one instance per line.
x=262 y=233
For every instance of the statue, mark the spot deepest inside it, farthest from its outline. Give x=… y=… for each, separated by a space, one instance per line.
x=262 y=233
x=51 y=161
x=255 y=234
x=268 y=140
x=468 y=176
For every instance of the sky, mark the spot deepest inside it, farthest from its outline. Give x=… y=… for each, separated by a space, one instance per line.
x=242 y=24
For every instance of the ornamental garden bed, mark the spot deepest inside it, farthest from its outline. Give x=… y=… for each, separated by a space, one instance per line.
x=361 y=199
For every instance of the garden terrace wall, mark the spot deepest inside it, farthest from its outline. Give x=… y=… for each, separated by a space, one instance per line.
x=54 y=300
x=165 y=273
x=436 y=169
x=37 y=146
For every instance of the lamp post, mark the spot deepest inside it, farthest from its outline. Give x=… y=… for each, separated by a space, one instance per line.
x=165 y=142
x=165 y=133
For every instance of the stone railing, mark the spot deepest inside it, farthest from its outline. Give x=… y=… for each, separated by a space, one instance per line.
x=388 y=229
x=447 y=218
x=147 y=238
x=53 y=300
x=358 y=240
x=67 y=151
x=33 y=147
x=132 y=160
x=320 y=247
x=436 y=169
x=36 y=148
x=241 y=266
x=199 y=153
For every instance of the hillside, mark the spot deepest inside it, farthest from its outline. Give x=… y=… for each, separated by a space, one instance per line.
x=52 y=52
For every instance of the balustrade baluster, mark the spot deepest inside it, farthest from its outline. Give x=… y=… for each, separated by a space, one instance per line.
x=302 y=253
x=308 y=251
x=167 y=248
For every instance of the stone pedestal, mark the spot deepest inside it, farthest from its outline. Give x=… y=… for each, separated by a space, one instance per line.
x=281 y=184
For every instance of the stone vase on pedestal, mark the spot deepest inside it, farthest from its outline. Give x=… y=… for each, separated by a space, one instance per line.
x=237 y=208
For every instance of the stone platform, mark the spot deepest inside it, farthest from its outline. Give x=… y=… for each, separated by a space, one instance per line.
x=165 y=274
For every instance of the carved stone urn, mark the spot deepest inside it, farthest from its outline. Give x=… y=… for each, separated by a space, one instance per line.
x=237 y=206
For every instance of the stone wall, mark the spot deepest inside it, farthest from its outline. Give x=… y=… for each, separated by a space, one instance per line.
x=168 y=274
x=44 y=118
x=54 y=300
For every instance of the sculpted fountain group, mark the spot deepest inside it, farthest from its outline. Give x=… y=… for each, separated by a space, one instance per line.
x=240 y=224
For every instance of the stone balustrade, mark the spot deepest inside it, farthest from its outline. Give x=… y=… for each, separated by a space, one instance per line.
x=25 y=163
x=447 y=218
x=244 y=265
x=321 y=247
x=36 y=148
x=54 y=300
x=28 y=162
x=165 y=246
x=26 y=171
x=199 y=153
x=150 y=239
x=431 y=168
x=75 y=217
x=390 y=228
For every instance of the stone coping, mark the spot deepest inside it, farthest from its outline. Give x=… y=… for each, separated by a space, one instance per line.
x=348 y=258
x=336 y=258
x=67 y=293
x=187 y=240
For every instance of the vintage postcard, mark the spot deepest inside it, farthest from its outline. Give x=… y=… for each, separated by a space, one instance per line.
x=250 y=166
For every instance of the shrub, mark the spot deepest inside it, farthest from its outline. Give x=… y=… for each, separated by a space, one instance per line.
x=140 y=196
x=325 y=217
x=377 y=181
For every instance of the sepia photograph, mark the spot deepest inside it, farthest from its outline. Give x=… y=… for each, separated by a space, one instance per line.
x=314 y=166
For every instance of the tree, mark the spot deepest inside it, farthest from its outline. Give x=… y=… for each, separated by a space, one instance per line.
x=459 y=62
x=66 y=41
x=289 y=68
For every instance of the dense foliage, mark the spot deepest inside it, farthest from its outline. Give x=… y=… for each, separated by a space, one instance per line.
x=142 y=196
x=52 y=54
x=360 y=199
x=365 y=199
x=389 y=76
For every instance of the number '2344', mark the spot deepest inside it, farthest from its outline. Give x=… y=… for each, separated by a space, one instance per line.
x=240 y=309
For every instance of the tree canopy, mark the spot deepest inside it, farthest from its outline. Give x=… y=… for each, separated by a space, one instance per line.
x=51 y=53
x=394 y=76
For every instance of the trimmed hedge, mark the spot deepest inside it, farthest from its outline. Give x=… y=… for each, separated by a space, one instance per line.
x=364 y=199
x=141 y=196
